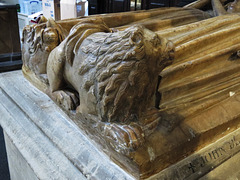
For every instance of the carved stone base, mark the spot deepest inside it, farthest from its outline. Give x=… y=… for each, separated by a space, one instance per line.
x=53 y=146
x=42 y=138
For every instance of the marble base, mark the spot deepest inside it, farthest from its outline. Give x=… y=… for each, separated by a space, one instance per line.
x=44 y=143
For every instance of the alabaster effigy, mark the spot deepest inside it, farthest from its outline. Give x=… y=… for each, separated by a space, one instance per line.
x=151 y=87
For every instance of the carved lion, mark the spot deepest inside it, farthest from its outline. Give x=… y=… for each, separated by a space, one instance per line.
x=115 y=75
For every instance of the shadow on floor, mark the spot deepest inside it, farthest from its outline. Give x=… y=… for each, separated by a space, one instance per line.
x=4 y=172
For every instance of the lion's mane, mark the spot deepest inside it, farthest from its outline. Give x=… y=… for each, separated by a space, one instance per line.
x=123 y=78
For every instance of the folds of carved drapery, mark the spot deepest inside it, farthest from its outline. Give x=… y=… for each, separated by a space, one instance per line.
x=219 y=7
x=178 y=16
x=201 y=88
x=199 y=91
x=198 y=4
x=223 y=7
x=206 y=65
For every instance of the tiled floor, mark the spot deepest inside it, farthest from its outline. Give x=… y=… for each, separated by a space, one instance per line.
x=4 y=172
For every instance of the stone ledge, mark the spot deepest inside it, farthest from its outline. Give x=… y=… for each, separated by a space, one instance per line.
x=52 y=145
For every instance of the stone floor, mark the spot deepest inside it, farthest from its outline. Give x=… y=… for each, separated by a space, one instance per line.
x=4 y=172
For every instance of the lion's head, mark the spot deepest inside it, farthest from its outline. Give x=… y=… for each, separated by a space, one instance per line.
x=125 y=71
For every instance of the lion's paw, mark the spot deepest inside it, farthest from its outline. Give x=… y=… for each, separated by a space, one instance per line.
x=124 y=138
x=66 y=99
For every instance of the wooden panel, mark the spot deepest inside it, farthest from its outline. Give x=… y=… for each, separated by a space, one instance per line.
x=9 y=35
x=5 y=41
x=120 y=5
x=158 y=3
x=93 y=7
x=10 y=51
x=112 y=6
